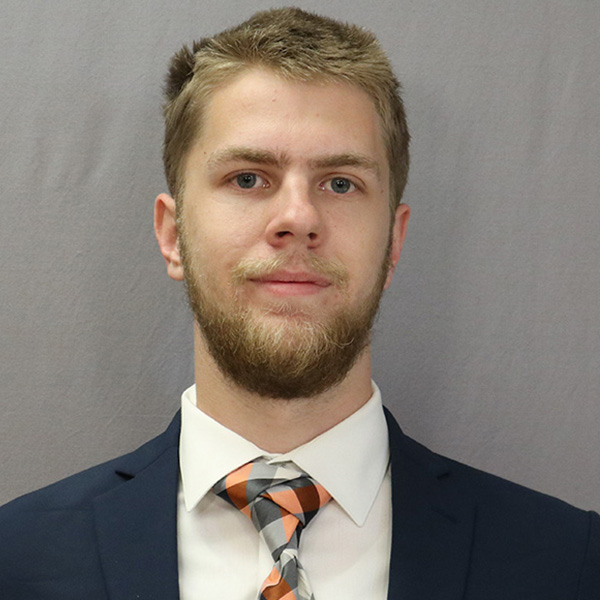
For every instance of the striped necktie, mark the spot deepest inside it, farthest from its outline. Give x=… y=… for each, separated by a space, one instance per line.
x=280 y=502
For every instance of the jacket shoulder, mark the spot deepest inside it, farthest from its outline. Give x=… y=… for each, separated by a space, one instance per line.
x=494 y=493
x=52 y=530
x=533 y=533
x=469 y=484
x=521 y=539
x=76 y=491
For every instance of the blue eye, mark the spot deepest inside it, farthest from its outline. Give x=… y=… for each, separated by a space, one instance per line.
x=339 y=185
x=246 y=180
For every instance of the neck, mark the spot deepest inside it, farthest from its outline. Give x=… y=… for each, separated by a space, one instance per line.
x=277 y=425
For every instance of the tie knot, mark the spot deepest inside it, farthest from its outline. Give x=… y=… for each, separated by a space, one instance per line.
x=268 y=493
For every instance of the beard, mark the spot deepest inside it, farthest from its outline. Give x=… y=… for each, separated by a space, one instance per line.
x=284 y=353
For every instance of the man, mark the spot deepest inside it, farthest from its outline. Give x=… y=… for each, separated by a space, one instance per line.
x=286 y=155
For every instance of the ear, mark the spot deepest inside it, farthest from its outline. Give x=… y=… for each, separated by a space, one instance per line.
x=165 y=229
x=398 y=236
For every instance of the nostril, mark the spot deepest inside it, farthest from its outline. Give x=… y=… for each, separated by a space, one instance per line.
x=311 y=236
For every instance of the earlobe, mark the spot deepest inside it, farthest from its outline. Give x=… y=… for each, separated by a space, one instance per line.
x=165 y=229
x=398 y=236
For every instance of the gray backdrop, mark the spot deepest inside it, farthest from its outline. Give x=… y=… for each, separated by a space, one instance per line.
x=488 y=345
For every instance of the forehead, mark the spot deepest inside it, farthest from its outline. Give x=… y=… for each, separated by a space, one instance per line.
x=296 y=119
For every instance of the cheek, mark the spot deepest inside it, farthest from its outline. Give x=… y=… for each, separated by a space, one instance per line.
x=374 y=254
x=220 y=231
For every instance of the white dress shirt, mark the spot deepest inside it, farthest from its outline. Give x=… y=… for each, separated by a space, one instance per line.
x=346 y=548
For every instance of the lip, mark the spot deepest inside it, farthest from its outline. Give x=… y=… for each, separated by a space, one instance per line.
x=292 y=283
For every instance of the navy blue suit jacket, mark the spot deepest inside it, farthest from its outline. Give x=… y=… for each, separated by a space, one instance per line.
x=458 y=533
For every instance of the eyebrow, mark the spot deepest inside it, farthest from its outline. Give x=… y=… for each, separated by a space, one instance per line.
x=246 y=154
x=350 y=159
x=266 y=157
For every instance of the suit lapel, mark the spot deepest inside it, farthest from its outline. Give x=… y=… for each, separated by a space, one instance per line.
x=432 y=528
x=136 y=523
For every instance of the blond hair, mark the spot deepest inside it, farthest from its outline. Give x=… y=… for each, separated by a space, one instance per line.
x=296 y=45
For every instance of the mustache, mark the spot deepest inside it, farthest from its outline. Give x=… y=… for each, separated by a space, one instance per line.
x=254 y=268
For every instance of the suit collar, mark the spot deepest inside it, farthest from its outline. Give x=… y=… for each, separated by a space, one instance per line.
x=432 y=528
x=136 y=523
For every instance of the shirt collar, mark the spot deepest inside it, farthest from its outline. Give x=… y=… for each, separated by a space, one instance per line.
x=350 y=460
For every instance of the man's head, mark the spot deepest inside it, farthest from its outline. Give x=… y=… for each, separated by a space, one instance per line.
x=297 y=46
x=280 y=149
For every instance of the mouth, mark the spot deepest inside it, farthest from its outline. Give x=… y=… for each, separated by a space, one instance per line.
x=292 y=283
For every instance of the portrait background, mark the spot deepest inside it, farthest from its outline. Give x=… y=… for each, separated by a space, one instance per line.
x=487 y=348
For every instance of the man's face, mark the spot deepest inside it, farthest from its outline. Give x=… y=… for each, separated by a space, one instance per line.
x=285 y=231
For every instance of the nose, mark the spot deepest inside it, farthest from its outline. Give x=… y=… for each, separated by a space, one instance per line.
x=294 y=218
